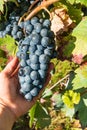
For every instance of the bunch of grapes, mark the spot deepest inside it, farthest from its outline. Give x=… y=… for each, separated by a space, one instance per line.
x=35 y=52
x=35 y=48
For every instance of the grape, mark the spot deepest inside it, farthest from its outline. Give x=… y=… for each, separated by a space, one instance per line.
x=27 y=70
x=43 y=66
x=23 y=56
x=42 y=73
x=48 y=52
x=15 y=28
x=34 y=66
x=26 y=23
x=29 y=28
x=32 y=49
x=28 y=96
x=34 y=20
x=46 y=23
x=44 y=59
x=34 y=75
x=34 y=59
x=26 y=41
x=21 y=72
x=8 y=28
x=24 y=48
x=45 y=41
x=27 y=79
x=40 y=47
x=35 y=38
x=36 y=82
x=44 y=32
x=19 y=34
x=26 y=87
x=28 y=62
x=38 y=27
x=34 y=92
x=21 y=79
x=38 y=52
x=23 y=63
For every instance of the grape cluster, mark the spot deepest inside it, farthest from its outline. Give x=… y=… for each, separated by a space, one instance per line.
x=35 y=52
x=11 y=26
x=35 y=47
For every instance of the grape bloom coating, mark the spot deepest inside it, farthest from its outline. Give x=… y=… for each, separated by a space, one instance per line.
x=35 y=52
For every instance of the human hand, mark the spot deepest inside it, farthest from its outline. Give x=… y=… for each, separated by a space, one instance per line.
x=9 y=89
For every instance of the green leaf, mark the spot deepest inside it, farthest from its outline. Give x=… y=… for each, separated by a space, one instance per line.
x=81 y=39
x=71 y=1
x=2 y=5
x=84 y=2
x=85 y=101
x=80 y=79
x=8 y=45
x=3 y=59
x=82 y=110
x=40 y=115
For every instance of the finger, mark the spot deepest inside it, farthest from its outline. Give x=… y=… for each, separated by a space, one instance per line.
x=11 y=66
x=15 y=71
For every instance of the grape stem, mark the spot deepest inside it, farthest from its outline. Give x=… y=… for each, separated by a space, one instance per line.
x=43 y=5
x=32 y=5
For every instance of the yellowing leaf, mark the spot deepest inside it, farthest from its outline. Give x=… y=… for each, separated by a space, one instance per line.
x=70 y=98
x=8 y=45
x=80 y=79
x=1 y=5
x=80 y=33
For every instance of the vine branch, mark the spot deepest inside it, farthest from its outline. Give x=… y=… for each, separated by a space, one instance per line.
x=43 y=5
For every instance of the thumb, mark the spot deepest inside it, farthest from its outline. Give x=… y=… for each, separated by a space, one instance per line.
x=11 y=66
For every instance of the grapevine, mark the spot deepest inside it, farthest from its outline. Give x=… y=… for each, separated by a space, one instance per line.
x=39 y=32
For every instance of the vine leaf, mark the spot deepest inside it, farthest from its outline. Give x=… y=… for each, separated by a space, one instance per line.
x=40 y=114
x=71 y=1
x=82 y=110
x=83 y=2
x=80 y=43
x=2 y=5
x=80 y=79
x=8 y=45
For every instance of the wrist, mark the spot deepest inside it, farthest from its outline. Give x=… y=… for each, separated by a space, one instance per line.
x=7 y=118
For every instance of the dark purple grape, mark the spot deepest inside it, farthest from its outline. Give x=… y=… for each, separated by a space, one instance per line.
x=44 y=59
x=45 y=41
x=34 y=92
x=34 y=75
x=34 y=59
x=28 y=96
